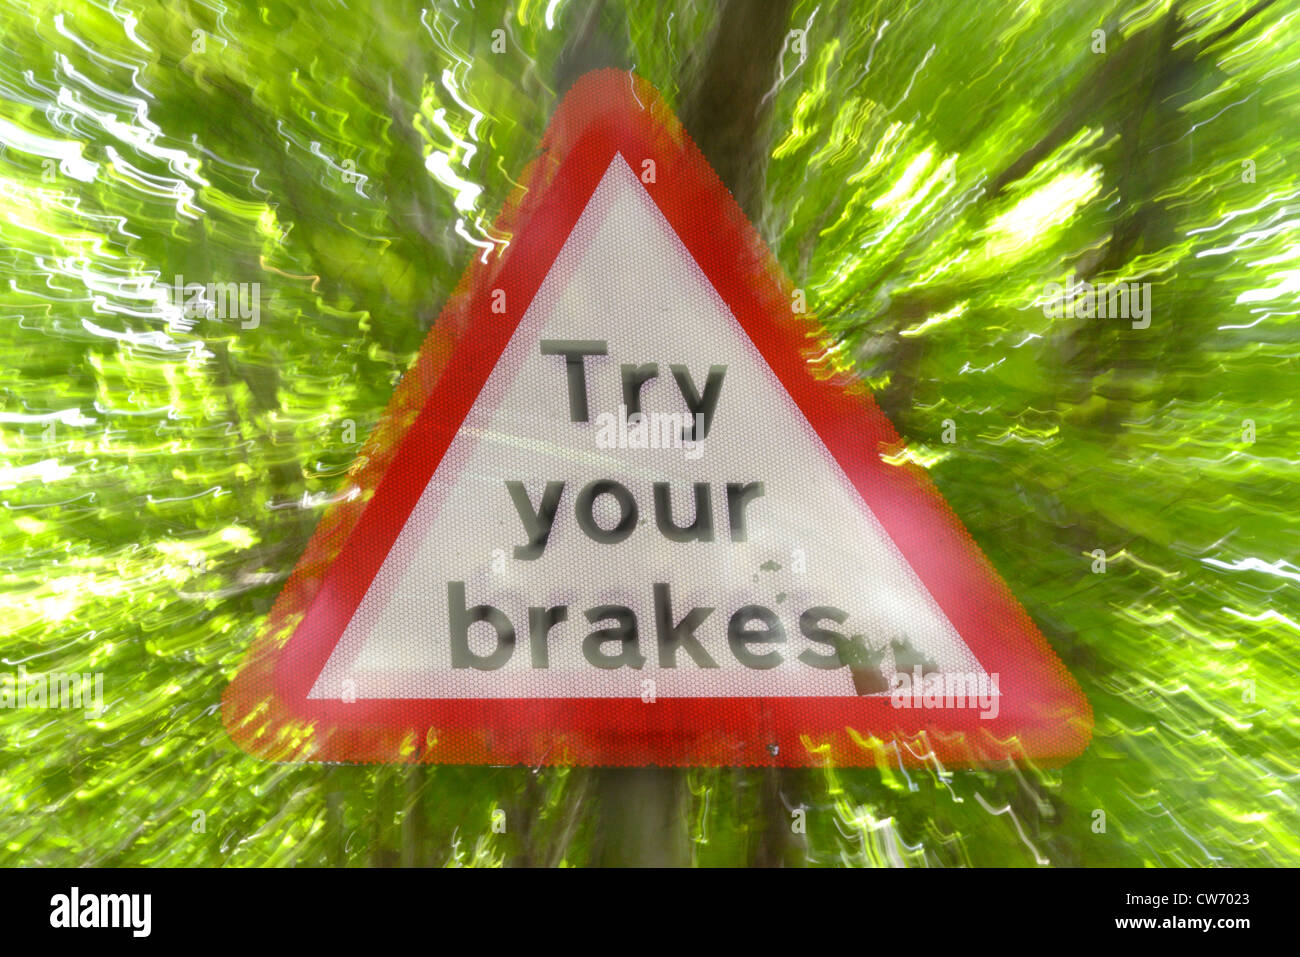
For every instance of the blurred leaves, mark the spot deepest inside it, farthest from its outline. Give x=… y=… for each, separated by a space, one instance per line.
x=926 y=170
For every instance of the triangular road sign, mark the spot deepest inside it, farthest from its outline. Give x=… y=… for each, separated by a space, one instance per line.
x=526 y=571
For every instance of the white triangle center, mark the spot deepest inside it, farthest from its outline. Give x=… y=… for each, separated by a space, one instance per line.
x=624 y=277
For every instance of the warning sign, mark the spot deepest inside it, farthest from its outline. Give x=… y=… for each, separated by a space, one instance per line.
x=623 y=511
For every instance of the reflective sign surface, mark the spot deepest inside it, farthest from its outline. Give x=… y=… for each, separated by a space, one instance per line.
x=662 y=533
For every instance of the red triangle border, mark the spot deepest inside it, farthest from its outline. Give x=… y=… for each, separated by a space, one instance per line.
x=1044 y=717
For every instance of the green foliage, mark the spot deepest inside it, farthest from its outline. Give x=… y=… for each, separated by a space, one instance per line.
x=930 y=169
